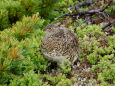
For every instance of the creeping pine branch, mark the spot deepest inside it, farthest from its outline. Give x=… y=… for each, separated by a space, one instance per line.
x=81 y=13
x=90 y=12
x=108 y=24
x=66 y=14
x=89 y=2
x=86 y=3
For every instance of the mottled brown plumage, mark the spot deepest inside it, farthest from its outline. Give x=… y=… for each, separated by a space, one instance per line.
x=60 y=44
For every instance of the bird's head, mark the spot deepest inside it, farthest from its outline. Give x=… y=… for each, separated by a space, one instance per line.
x=51 y=27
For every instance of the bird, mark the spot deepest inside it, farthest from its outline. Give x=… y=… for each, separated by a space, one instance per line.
x=60 y=44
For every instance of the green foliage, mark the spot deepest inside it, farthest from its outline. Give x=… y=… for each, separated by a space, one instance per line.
x=58 y=80
x=34 y=79
x=111 y=9
x=13 y=10
x=4 y=19
x=66 y=67
x=29 y=79
x=99 y=50
x=46 y=7
x=20 y=49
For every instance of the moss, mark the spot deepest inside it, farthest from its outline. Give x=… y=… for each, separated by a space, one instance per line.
x=98 y=49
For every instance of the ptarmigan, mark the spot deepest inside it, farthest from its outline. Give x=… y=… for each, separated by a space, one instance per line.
x=60 y=44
